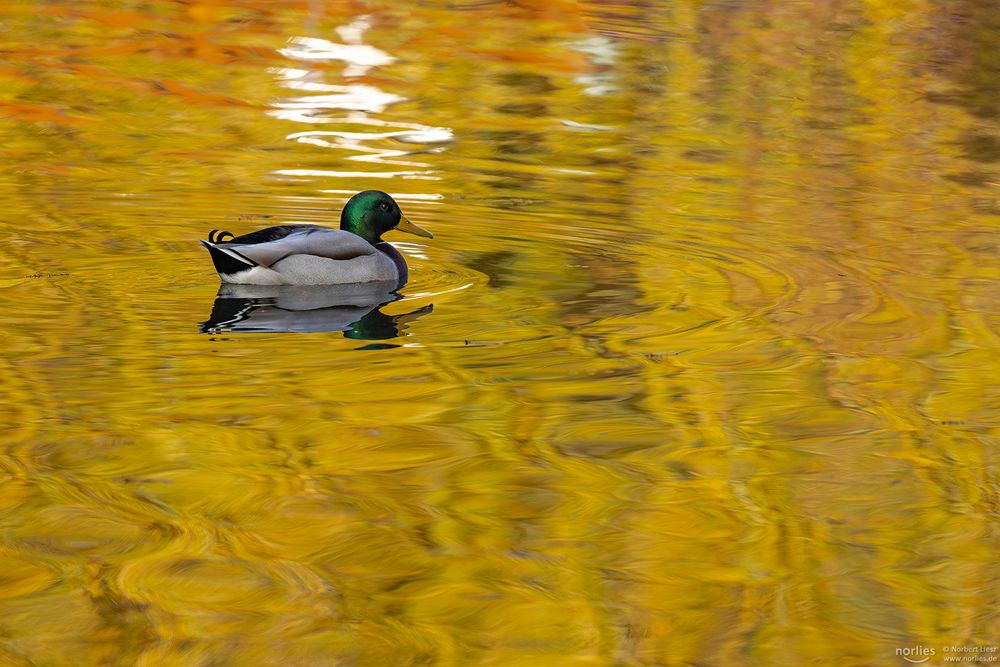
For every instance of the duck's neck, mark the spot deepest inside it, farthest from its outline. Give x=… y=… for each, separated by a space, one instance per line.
x=361 y=228
x=397 y=259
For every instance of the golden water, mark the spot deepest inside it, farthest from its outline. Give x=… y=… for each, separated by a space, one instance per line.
x=700 y=368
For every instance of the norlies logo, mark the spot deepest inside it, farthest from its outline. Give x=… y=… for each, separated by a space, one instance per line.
x=915 y=654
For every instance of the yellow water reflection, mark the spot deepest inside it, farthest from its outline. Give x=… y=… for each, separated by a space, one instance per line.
x=699 y=368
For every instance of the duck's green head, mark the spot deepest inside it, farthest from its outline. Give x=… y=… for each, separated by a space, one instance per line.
x=372 y=213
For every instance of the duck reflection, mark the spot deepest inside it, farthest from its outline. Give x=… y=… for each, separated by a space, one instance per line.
x=353 y=309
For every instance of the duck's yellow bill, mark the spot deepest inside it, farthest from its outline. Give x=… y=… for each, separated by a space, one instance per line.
x=407 y=226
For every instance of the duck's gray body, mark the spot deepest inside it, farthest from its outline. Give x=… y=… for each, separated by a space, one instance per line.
x=305 y=255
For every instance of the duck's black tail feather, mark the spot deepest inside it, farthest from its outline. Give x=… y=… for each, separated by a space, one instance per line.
x=228 y=261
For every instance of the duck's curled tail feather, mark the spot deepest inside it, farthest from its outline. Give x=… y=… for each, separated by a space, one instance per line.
x=228 y=261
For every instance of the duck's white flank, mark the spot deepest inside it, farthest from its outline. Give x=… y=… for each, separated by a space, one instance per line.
x=315 y=270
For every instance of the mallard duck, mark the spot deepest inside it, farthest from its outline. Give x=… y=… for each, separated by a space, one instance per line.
x=315 y=255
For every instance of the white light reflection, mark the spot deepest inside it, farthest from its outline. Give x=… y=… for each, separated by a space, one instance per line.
x=603 y=52
x=419 y=135
x=357 y=103
x=398 y=197
x=354 y=141
x=359 y=57
x=354 y=32
x=415 y=175
x=586 y=126
x=351 y=98
x=412 y=249
x=418 y=295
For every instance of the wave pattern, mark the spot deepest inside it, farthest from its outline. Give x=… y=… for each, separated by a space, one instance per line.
x=698 y=368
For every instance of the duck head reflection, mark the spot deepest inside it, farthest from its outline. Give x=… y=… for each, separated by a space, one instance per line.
x=354 y=309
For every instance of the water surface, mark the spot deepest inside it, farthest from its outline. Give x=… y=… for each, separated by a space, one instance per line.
x=699 y=369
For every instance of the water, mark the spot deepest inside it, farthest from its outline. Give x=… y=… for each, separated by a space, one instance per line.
x=699 y=368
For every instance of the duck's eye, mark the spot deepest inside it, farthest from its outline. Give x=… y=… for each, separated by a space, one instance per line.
x=384 y=206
